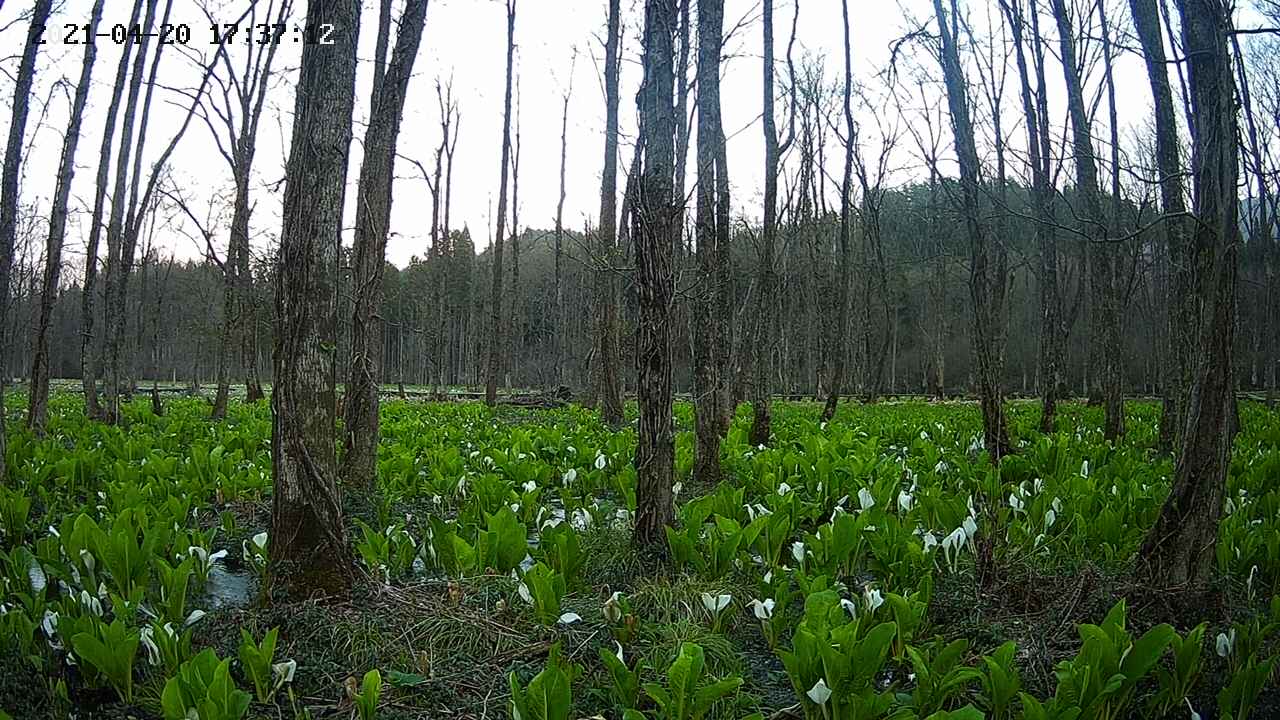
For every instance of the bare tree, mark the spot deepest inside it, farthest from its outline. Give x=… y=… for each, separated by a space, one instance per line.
x=1035 y=115
x=232 y=113
x=515 y=321
x=88 y=366
x=981 y=276
x=654 y=232
x=1179 y=549
x=309 y=552
x=765 y=326
x=846 y=188
x=1102 y=250
x=373 y=218
x=9 y=185
x=606 y=287
x=496 y=342
x=706 y=368
x=38 y=400
x=118 y=224
x=559 y=339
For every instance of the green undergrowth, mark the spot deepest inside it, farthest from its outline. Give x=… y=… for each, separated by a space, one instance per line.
x=832 y=574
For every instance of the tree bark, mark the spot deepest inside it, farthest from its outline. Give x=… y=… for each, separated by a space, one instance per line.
x=606 y=287
x=118 y=222
x=838 y=351
x=1179 y=549
x=9 y=187
x=1101 y=249
x=38 y=400
x=309 y=553
x=373 y=218
x=706 y=365
x=89 y=369
x=654 y=230
x=766 y=299
x=496 y=342
x=982 y=294
x=558 y=340
x=1035 y=113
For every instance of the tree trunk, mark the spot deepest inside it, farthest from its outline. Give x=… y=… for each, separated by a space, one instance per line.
x=981 y=281
x=9 y=188
x=654 y=231
x=496 y=342
x=118 y=222
x=1101 y=250
x=1179 y=549
x=838 y=350
x=706 y=365
x=38 y=400
x=89 y=368
x=373 y=217
x=558 y=339
x=606 y=288
x=1035 y=113
x=766 y=299
x=309 y=550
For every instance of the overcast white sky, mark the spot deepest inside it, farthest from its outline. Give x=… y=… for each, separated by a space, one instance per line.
x=465 y=39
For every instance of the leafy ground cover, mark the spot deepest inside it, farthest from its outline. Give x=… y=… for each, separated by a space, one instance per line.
x=875 y=566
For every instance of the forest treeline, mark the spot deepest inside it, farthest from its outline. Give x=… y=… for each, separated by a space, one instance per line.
x=435 y=310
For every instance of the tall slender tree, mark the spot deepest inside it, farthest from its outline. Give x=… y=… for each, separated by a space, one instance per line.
x=707 y=310
x=1179 y=549
x=1038 y=159
x=497 y=343
x=9 y=184
x=1101 y=250
x=606 y=336
x=838 y=371
x=654 y=230
x=558 y=340
x=767 y=275
x=231 y=114
x=119 y=219
x=981 y=274
x=38 y=398
x=373 y=218
x=309 y=553
x=89 y=367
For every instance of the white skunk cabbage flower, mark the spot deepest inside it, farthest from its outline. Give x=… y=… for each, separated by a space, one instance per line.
x=600 y=461
x=569 y=618
x=763 y=609
x=1226 y=643
x=865 y=500
x=819 y=693
x=145 y=636
x=569 y=476
x=850 y=606
x=797 y=551
x=906 y=501
x=717 y=603
x=523 y=591
x=283 y=671
x=872 y=598
x=612 y=609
